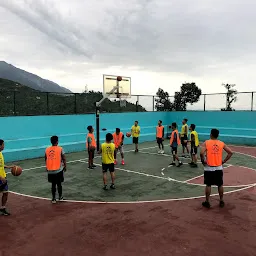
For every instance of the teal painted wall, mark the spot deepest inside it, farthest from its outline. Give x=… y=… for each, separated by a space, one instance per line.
x=27 y=137
x=237 y=127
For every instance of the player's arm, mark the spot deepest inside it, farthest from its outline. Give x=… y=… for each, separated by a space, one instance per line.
x=64 y=161
x=193 y=139
x=202 y=153
x=163 y=134
x=122 y=140
x=229 y=153
x=9 y=166
x=89 y=142
x=139 y=131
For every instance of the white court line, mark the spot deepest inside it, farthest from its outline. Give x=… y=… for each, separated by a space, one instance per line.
x=74 y=161
x=171 y=179
x=135 y=202
x=245 y=154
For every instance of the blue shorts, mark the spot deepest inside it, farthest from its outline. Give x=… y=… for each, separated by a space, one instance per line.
x=3 y=186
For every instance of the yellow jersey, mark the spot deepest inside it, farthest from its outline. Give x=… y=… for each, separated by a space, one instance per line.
x=196 y=138
x=107 y=153
x=2 y=171
x=135 y=131
x=184 y=131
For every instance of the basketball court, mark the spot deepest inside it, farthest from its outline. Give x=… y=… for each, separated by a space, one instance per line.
x=154 y=210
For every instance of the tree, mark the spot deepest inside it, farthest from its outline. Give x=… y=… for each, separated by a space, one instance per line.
x=163 y=102
x=189 y=93
x=230 y=97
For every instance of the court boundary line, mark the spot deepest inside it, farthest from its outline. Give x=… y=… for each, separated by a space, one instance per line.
x=239 y=187
x=136 y=202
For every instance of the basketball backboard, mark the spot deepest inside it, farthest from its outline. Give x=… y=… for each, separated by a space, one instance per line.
x=110 y=81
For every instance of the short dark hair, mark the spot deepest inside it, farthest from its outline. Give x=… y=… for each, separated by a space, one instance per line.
x=1 y=142
x=89 y=128
x=136 y=121
x=215 y=133
x=117 y=129
x=109 y=137
x=185 y=119
x=174 y=125
x=193 y=126
x=54 y=139
x=160 y=121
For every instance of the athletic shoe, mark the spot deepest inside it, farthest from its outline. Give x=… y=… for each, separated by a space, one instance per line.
x=159 y=152
x=222 y=204
x=112 y=186
x=94 y=166
x=206 y=204
x=172 y=164
x=54 y=201
x=105 y=187
x=61 y=199
x=122 y=162
x=180 y=164
x=4 y=212
x=193 y=165
x=90 y=168
x=115 y=162
x=162 y=152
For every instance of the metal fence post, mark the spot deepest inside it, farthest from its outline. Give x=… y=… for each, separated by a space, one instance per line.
x=153 y=103
x=14 y=103
x=204 y=101
x=252 y=102
x=137 y=103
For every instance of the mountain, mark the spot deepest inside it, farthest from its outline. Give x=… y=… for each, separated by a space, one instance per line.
x=8 y=71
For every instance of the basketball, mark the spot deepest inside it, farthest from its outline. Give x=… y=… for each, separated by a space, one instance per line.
x=16 y=171
x=128 y=134
x=119 y=78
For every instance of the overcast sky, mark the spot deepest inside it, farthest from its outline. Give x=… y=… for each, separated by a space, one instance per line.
x=158 y=43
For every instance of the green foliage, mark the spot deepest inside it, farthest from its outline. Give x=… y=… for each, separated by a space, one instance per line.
x=230 y=97
x=189 y=93
x=17 y=99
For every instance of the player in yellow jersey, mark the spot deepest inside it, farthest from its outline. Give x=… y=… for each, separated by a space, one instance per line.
x=107 y=152
x=194 y=140
x=3 y=182
x=135 y=130
x=184 y=137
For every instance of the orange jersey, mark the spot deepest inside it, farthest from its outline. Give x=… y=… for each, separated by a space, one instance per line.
x=93 y=141
x=214 y=150
x=160 y=131
x=53 y=158
x=177 y=137
x=118 y=139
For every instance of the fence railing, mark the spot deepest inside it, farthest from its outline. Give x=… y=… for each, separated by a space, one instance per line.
x=14 y=103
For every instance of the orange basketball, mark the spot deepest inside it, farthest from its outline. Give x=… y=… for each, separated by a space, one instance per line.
x=128 y=134
x=16 y=171
x=119 y=78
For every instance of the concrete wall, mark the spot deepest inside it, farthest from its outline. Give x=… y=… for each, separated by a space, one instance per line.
x=27 y=137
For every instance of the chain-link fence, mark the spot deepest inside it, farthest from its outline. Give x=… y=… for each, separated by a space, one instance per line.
x=15 y=103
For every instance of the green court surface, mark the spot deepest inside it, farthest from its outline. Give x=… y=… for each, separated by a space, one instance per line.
x=146 y=176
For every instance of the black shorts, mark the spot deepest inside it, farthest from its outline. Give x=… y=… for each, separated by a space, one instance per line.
x=91 y=153
x=193 y=150
x=182 y=139
x=174 y=150
x=56 y=177
x=108 y=167
x=159 y=140
x=135 y=140
x=213 y=178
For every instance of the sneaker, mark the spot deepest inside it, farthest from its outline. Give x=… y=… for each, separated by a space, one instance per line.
x=105 y=187
x=183 y=156
x=162 y=152
x=90 y=168
x=159 y=151
x=122 y=162
x=180 y=164
x=112 y=186
x=115 y=162
x=222 y=204
x=172 y=164
x=94 y=166
x=54 y=201
x=206 y=204
x=193 y=165
x=4 y=212
x=61 y=199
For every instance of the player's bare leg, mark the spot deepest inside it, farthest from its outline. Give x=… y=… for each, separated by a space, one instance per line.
x=112 y=174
